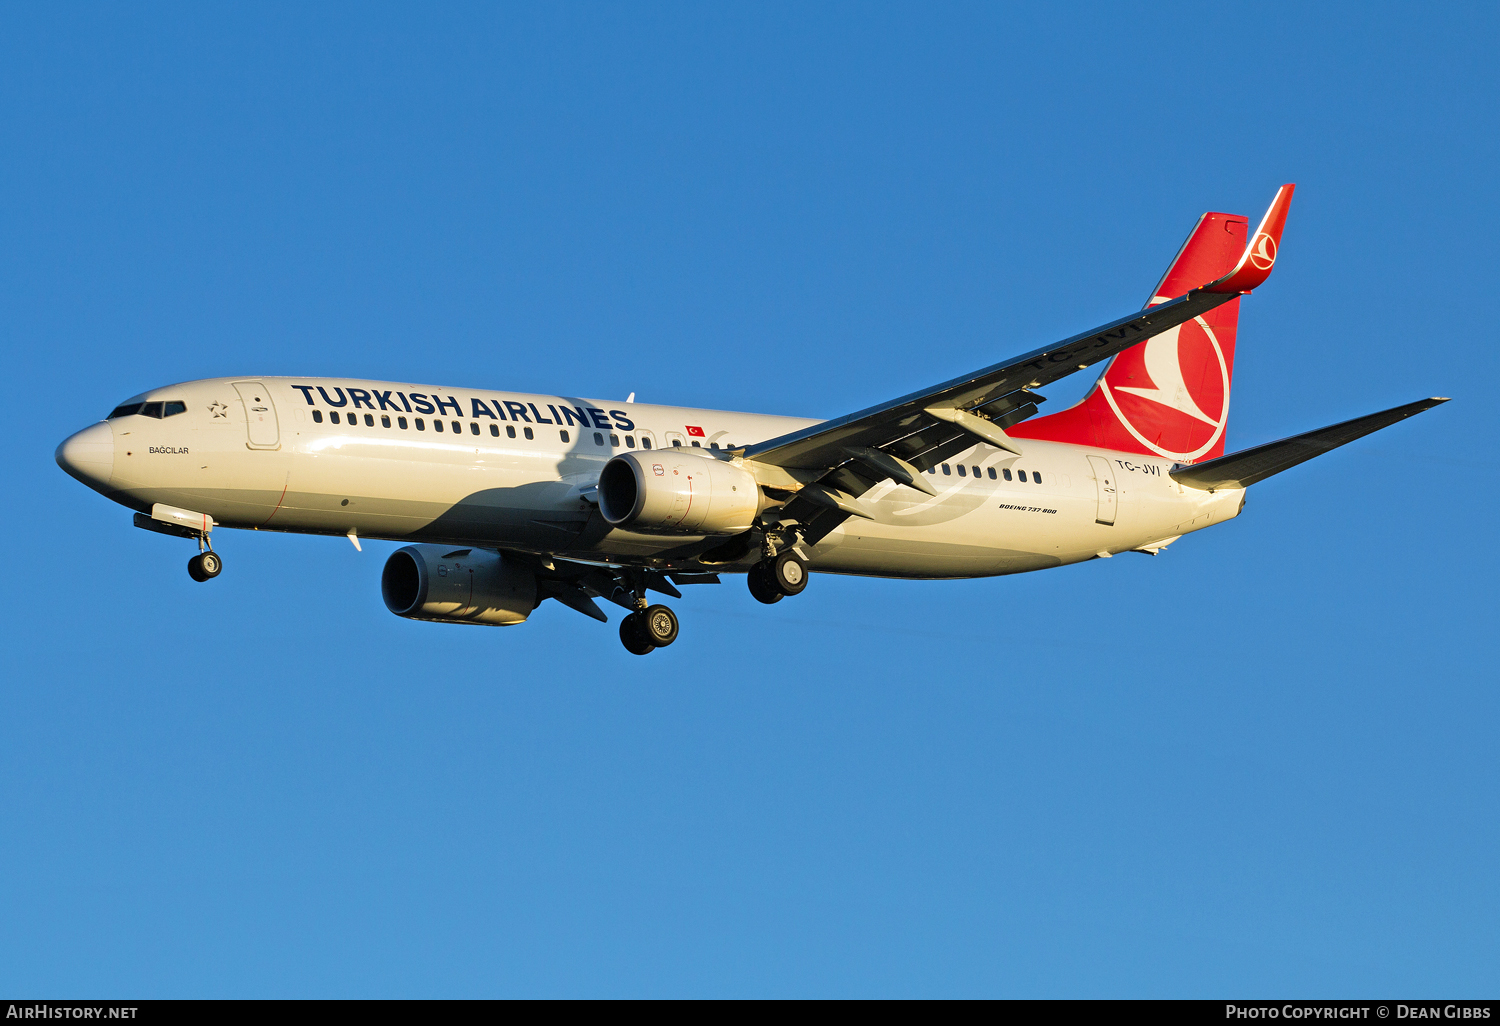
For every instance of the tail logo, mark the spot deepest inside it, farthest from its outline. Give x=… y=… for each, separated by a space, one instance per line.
x=1263 y=252
x=1162 y=359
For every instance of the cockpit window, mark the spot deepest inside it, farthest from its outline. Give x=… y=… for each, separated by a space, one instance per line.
x=157 y=410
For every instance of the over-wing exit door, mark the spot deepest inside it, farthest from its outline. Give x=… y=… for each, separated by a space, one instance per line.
x=1104 y=478
x=260 y=415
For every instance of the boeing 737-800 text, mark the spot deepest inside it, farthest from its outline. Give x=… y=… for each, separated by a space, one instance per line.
x=509 y=499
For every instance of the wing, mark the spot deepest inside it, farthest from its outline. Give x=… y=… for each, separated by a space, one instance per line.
x=1245 y=468
x=901 y=438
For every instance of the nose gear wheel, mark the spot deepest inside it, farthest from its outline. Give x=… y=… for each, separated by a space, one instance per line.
x=205 y=566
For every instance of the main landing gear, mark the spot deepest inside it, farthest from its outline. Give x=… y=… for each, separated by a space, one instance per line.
x=774 y=579
x=649 y=629
x=206 y=565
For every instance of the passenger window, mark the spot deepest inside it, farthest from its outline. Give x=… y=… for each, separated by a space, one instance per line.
x=421 y=424
x=614 y=441
x=494 y=430
x=173 y=409
x=1006 y=472
x=128 y=410
x=598 y=438
x=151 y=410
x=510 y=431
x=713 y=445
x=1021 y=474
x=369 y=420
x=334 y=416
x=677 y=443
x=697 y=444
x=962 y=472
x=992 y=473
x=946 y=471
x=562 y=434
x=976 y=472
x=401 y=423
x=645 y=442
x=528 y=432
x=385 y=420
x=458 y=428
x=630 y=441
x=437 y=425
x=1036 y=476
x=317 y=416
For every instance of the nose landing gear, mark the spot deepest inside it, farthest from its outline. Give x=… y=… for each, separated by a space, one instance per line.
x=646 y=630
x=177 y=523
x=206 y=565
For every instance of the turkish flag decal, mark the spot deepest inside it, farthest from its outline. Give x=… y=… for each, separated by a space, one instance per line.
x=694 y=432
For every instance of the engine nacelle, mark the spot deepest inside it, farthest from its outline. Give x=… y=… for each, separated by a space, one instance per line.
x=677 y=491
x=439 y=582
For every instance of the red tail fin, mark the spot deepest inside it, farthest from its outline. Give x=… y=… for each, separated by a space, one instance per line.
x=1168 y=396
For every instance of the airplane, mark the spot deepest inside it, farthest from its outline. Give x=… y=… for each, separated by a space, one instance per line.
x=506 y=500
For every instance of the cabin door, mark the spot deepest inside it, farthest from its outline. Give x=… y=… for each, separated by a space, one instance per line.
x=260 y=415
x=1104 y=478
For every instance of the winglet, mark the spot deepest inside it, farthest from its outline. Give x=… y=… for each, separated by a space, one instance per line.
x=1260 y=255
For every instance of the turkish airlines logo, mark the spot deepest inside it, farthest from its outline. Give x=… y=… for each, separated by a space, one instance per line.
x=1195 y=422
x=1263 y=252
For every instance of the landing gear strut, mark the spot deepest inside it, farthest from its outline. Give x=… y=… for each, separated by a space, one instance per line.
x=206 y=565
x=773 y=579
x=646 y=630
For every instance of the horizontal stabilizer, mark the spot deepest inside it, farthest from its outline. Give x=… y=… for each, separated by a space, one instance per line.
x=1242 y=469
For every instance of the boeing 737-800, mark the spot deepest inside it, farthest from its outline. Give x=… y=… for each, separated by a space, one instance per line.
x=506 y=500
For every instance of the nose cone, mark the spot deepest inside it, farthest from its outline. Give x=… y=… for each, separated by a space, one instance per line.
x=89 y=455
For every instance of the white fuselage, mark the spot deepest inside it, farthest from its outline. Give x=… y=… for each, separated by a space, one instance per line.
x=516 y=471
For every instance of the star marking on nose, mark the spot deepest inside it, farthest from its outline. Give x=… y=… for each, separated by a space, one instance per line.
x=218 y=409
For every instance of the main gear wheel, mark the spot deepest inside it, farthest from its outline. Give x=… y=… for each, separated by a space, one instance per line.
x=788 y=573
x=649 y=629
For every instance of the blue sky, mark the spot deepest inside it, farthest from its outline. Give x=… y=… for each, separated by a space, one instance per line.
x=1262 y=764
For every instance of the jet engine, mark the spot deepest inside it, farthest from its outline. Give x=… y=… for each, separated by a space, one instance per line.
x=438 y=582
x=677 y=491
